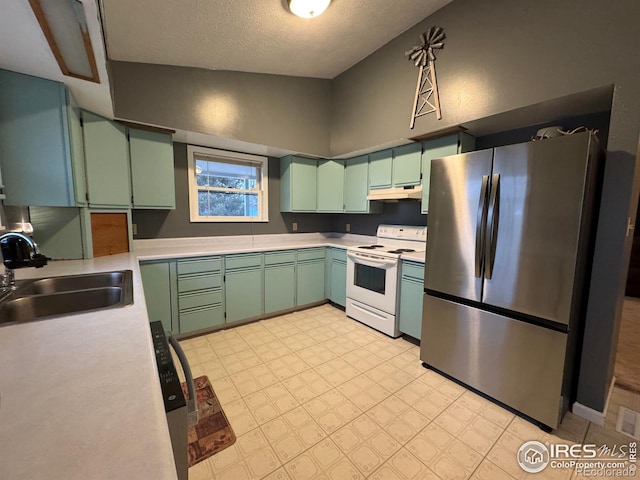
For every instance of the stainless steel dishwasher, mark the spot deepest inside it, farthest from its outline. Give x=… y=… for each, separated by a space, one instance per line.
x=181 y=413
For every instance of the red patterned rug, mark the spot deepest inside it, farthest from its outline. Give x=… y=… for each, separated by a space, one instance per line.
x=212 y=433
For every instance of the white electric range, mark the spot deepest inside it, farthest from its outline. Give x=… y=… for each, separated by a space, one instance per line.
x=373 y=275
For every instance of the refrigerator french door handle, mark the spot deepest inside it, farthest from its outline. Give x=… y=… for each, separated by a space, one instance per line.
x=481 y=223
x=492 y=225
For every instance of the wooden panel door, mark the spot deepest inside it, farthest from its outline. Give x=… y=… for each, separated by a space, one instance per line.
x=110 y=233
x=107 y=160
x=152 y=170
x=330 y=186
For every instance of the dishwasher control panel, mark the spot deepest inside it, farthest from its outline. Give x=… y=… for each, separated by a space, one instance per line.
x=169 y=381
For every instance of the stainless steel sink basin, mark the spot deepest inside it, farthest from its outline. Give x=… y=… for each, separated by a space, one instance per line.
x=71 y=283
x=49 y=297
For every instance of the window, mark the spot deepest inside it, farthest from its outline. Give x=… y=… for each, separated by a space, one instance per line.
x=227 y=186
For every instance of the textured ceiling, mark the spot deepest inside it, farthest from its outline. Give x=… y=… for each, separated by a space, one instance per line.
x=256 y=35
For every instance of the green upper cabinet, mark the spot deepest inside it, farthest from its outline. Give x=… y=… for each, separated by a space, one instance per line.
x=298 y=180
x=330 y=186
x=107 y=161
x=41 y=153
x=438 y=148
x=152 y=170
x=356 y=187
x=380 y=166
x=407 y=166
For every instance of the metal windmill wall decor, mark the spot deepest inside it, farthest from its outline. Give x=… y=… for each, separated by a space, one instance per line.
x=423 y=56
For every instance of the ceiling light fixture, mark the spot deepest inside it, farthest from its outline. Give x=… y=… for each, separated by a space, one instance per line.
x=64 y=25
x=308 y=8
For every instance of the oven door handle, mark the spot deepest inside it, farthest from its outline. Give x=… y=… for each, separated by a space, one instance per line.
x=192 y=407
x=370 y=261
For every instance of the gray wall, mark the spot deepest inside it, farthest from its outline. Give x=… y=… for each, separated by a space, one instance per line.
x=175 y=223
x=291 y=113
x=498 y=56
x=400 y=213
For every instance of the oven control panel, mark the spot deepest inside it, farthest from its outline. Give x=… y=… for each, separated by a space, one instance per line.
x=403 y=232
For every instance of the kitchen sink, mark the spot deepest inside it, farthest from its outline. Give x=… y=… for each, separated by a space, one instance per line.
x=54 y=296
x=71 y=283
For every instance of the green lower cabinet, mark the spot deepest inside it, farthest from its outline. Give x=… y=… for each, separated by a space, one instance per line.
x=201 y=317
x=279 y=287
x=310 y=281
x=338 y=282
x=159 y=292
x=411 y=292
x=243 y=294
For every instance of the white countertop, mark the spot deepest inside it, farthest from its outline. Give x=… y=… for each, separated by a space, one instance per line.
x=79 y=395
x=158 y=249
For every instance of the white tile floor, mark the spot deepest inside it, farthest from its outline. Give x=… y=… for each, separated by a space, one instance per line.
x=316 y=395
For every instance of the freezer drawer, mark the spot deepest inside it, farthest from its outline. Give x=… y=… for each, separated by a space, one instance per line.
x=514 y=362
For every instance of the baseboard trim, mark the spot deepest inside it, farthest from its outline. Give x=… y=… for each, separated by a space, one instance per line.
x=589 y=413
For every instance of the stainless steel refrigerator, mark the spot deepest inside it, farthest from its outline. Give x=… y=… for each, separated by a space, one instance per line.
x=507 y=266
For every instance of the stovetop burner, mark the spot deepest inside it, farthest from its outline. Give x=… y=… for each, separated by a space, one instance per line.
x=402 y=250
x=371 y=247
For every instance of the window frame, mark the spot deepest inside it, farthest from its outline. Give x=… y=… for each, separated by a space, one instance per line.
x=229 y=157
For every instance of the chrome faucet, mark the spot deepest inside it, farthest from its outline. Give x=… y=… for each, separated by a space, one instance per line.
x=18 y=251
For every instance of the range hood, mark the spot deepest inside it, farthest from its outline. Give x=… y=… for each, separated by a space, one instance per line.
x=395 y=194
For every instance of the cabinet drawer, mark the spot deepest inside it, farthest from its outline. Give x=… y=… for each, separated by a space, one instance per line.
x=338 y=254
x=276 y=258
x=200 y=299
x=242 y=261
x=201 y=318
x=413 y=270
x=311 y=254
x=199 y=265
x=199 y=282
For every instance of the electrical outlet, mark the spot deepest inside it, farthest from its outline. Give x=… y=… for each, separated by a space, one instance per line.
x=295 y=226
x=134 y=228
x=348 y=229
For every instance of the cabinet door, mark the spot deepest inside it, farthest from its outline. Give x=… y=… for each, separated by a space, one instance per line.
x=356 y=185
x=279 y=287
x=156 y=280
x=310 y=282
x=298 y=182
x=380 y=164
x=152 y=171
x=330 y=186
x=107 y=160
x=411 y=291
x=76 y=145
x=34 y=142
x=407 y=165
x=437 y=148
x=339 y=282
x=243 y=294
